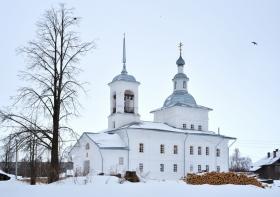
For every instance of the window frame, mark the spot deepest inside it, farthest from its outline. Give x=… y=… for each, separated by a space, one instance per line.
x=121 y=161
x=199 y=150
x=191 y=150
x=87 y=146
x=198 y=168
x=175 y=149
x=207 y=151
x=175 y=167
x=218 y=152
x=218 y=168
x=162 y=149
x=141 y=167
x=192 y=126
x=161 y=167
x=141 y=147
x=207 y=168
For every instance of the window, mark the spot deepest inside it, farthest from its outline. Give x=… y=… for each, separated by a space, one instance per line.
x=87 y=146
x=162 y=148
x=218 y=152
x=86 y=154
x=199 y=150
x=218 y=169
x=207 y=151
x=199 y=168
x=192 y=127
x=191 y=150
x=175 y=149
x=141 y=148
x=207 y=168
x=184 y=84
x=114 y=124
x=199 y=127
x=175 y=85
x=162 y=167
x=141 y=167
x=184 y=126
x=120 y=160
x=191 y=168
x=175 y=167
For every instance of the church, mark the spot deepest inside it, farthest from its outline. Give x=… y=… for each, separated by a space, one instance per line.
x=175 y=143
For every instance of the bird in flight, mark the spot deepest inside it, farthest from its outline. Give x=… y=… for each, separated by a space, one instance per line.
x=254 y=43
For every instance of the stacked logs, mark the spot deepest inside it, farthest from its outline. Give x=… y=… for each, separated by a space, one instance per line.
x=131 y=176
x=215 y=178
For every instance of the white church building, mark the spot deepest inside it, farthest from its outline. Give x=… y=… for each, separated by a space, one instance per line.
x=177 y=142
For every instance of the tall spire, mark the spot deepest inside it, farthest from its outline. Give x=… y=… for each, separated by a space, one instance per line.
x=124 y=56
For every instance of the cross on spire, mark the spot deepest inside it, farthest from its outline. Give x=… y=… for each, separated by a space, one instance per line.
x=180 y=48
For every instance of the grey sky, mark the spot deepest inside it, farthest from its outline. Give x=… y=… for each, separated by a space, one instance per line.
x=227 y=73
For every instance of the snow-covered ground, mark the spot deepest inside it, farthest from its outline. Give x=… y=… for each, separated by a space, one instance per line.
x=106 y=186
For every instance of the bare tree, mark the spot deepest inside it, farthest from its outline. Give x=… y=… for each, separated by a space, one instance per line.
x=8 y=155
x=51 y=96
x=239 y=163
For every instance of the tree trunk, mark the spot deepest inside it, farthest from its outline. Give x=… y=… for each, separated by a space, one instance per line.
x=54 y=167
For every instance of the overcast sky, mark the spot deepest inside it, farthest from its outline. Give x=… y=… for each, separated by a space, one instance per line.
x=238 y=80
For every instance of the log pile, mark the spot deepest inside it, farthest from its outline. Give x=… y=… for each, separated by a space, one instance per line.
x=215 y=178
x=131 y=176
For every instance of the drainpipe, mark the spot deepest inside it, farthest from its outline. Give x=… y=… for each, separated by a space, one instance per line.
x=187 y=135
x=102 y=168
x=215 y=153
x=128 y=149
x=228 y=150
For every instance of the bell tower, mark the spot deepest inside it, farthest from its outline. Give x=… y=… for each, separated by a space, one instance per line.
x=123 y=97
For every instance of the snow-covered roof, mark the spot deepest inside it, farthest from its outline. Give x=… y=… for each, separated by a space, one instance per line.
x=107 y=140
x=266 y=161
x=165 y=127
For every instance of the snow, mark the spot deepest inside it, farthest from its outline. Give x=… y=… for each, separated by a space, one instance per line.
x=266 y=161
x=164 y=127
x=106 y=140
x=105 y=186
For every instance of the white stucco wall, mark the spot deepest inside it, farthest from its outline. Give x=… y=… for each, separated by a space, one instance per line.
x=111 y=163
x=79 y=155
x=177 y=116
x=120 y=118
x=152 y=158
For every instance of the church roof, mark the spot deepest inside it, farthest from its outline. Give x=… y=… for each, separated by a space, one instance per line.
x=159 y=126
x=180 y=61
x=107 y=140
x=180 y=76
x=124 y=77
x=180 y=97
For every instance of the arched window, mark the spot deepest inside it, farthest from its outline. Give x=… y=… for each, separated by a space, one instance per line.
x=114 y=103
x=128 y=101
x=175 y=85
x=218 y=152
x=87 y=146
x=184 y=84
